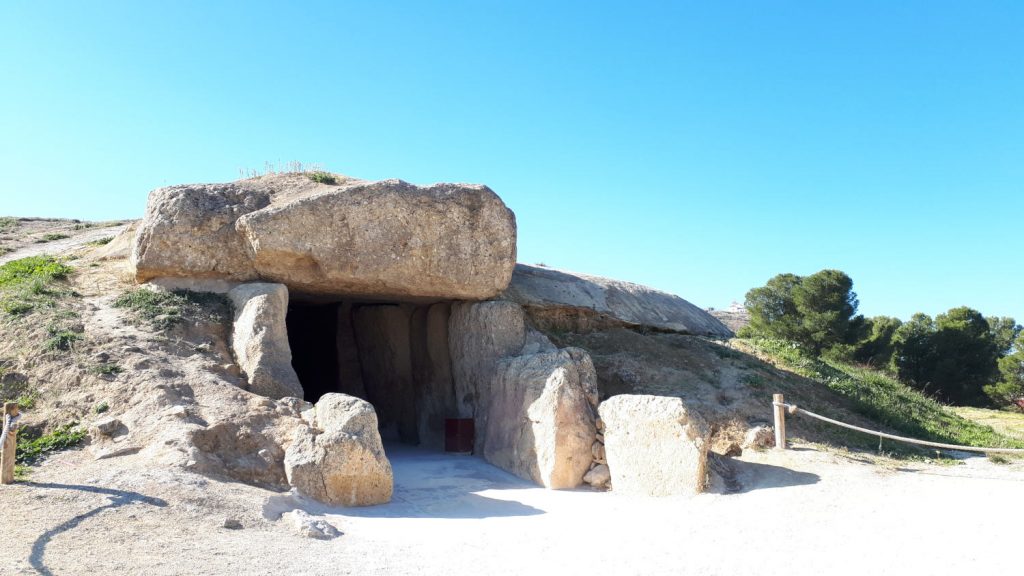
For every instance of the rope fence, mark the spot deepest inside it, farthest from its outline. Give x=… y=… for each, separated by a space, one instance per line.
x=781 y=408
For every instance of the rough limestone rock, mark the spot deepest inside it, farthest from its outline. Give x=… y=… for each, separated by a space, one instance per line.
x=479 y=335
x=310 y=527
x=387 y=239
x=341 y=461
x=599 y=476
x=654 y=445
x=759 y=437
x=567 y=300
x=260 y=339
x=540 y=421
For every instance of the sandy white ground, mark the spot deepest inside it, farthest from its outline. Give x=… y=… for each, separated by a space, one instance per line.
x=799 y=512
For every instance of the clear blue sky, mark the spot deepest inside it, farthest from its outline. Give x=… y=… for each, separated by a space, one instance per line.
x=700 y=148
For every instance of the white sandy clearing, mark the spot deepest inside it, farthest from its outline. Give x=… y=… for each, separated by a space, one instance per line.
x=798 y=512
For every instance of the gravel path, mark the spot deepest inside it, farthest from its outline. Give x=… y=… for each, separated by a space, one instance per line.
x=798 y=512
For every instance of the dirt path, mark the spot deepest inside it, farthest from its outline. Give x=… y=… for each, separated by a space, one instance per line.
x=799 y=512
x=76 y=240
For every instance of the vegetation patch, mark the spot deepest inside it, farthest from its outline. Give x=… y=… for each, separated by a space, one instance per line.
x=8 y=223
x=101 y=241
x=31 y=283
x=322 y=177
x=105 y=369
x=50 y=238
x=884 y=399
x=33 y=448
x=163 y=310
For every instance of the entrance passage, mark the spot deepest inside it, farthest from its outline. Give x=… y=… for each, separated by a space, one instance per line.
x=393 y=355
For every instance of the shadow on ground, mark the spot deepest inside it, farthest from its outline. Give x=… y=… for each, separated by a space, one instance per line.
x=431 y=485
x=739 y=477
x=117 y=498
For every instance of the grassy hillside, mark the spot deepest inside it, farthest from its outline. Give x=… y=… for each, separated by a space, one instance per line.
x=882 y=399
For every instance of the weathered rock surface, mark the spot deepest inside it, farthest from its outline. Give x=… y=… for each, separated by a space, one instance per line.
x=599 y=476
x=579 y=302
x=341 y=461
x=479 y=335
x=309 y=526
x=386 y=239
x=260 y=339
x=385 y=356
x=759 y=437
x=654 y=445
x=540 y=421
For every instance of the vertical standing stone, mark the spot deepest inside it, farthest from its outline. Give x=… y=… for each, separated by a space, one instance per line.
x=9 y=442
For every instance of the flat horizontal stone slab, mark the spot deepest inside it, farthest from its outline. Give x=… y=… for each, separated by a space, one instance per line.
x=557 y=294
x=387 y=239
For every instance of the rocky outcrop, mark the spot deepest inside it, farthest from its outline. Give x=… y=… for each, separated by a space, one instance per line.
x=259 y=339
x=654 y=445
x=579 y=302
x=540 y=418
x=386 y=239
x=341 y=459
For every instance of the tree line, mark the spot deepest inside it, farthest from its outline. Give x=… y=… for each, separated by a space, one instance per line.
x=961 y=356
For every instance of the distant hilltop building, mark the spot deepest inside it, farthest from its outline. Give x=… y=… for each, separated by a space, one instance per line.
x=734 y=317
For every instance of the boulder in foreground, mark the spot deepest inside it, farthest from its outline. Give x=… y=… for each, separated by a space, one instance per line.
x=341 y=461
x=654 y=445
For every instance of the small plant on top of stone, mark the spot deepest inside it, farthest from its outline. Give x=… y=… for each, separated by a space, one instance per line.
x=322 y=177
x=162 y=310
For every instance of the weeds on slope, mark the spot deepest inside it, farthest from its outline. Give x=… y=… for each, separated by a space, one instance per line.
x=885 y=400
x=163 y=310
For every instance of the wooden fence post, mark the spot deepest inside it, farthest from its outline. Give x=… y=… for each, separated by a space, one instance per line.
x=8 y=441
x=780 y=421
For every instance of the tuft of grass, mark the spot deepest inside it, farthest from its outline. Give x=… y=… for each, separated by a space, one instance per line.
x=61 y=338
x=101 y=407
x=105 y=369
x=322 y=177
x=50 y=238
x=163 y=310
x=29 y=283
x=32 y=449
x=101 y=241
x=8 y=223
x=885 y=400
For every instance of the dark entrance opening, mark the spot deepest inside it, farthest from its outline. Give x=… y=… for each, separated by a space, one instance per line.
x=394 y=355
x=312 y=332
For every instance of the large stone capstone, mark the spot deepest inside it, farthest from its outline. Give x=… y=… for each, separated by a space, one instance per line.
x=386 y=239
x=580 y=302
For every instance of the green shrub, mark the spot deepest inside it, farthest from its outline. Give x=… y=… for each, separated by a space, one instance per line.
x=101 y=241
x=102 y=407
x=51 y=238
x=323 y=177
x=33 y=449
